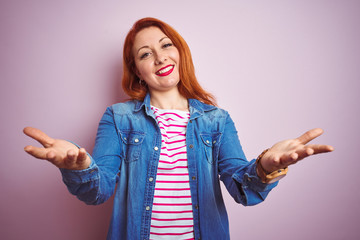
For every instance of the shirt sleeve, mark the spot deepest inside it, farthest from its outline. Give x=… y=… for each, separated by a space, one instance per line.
x=96 y=184
x=238 y=174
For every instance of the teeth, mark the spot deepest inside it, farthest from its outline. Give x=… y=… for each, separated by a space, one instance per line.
x=165 y=69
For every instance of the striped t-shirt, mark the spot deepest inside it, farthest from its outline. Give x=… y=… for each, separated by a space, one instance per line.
x=172 y=216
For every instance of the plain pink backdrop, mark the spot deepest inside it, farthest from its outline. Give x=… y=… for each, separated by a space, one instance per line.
x=279 y=67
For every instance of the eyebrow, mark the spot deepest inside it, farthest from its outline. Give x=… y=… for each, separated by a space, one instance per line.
x=162 y=39
x=146 y=46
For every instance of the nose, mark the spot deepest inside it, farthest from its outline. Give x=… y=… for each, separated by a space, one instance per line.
x=160 y=58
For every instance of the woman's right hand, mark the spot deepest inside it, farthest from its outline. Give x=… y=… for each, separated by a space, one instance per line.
x=61 y=153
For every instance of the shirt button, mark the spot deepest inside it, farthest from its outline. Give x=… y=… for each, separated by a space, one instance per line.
x=207 y=141
x=193 y=178
x=214 y=141
x=196 y=206
x=156 y=148
x=147 y=208
x=125 y=138
x=191 y=146
x=136 y=140
x=151 y=179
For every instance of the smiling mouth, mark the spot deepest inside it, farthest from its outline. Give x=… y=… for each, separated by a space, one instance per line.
x=165 y=70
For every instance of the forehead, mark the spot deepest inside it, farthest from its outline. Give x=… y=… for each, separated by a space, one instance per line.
x=148 y=36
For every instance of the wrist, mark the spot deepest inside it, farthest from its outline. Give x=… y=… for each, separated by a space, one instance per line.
x=266 y=176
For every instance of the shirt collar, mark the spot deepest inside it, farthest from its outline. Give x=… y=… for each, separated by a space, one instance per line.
x=146 y=103
x=196 y=107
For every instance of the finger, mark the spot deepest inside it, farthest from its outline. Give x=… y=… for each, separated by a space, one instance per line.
x=51 y=156
x=321 y=148
x=288 y=159
x=36 y=152
x=310 y=135
x=82 y=156
x=309 y=150
x=54 y=159
x=39 y=136
x=304 y=152
x=71 y=157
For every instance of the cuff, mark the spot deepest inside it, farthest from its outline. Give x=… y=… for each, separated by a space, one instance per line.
x=81 y=176
x=251 y=180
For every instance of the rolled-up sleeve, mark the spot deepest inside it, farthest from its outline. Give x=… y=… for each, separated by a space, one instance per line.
x=238 y=174
x=96 y=184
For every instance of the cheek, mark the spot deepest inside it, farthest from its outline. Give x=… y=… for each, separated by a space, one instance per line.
x=176 y=56
x=143 y=69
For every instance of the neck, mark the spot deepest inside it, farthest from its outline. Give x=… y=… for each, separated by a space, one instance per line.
x=169 y=100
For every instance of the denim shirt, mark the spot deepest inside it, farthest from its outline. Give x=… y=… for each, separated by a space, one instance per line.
x=125 y=160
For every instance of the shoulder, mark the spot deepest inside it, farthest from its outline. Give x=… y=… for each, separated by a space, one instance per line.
x=210 y=118
x=208 y=109
x=123 y=108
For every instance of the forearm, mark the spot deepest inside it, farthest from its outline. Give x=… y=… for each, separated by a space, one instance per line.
x=243 y=184
x=92 y=185
x=250 y=189
x=96 y=184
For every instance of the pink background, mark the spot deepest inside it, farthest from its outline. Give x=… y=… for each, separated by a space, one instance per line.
x=279 y=67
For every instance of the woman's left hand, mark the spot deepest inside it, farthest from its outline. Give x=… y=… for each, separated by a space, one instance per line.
x=288 y=152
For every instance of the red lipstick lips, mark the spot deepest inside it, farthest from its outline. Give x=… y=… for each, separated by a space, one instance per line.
x=165 y=70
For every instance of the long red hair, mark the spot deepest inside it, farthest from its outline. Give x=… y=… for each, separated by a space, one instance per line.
x=188 y=86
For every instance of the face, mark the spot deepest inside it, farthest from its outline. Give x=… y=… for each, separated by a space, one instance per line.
x=157 y=60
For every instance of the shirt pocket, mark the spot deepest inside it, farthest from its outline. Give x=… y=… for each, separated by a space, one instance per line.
x=211 y=142
x=132 y=144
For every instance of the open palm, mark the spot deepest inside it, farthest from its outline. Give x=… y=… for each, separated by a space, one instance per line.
x=288 y=152
x=61 y=153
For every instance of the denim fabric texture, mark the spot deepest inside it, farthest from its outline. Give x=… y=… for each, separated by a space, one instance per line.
x=125 y=160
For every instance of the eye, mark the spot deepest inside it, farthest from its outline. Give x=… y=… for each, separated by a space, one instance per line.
x=166 y=45
x=144 y=55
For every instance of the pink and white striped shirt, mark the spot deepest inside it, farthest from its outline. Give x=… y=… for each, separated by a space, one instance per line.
x=172 y=216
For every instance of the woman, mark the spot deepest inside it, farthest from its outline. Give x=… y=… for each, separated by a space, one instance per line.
x=163 y=152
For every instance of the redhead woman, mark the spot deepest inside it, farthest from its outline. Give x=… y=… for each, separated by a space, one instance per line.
x=164 y=152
